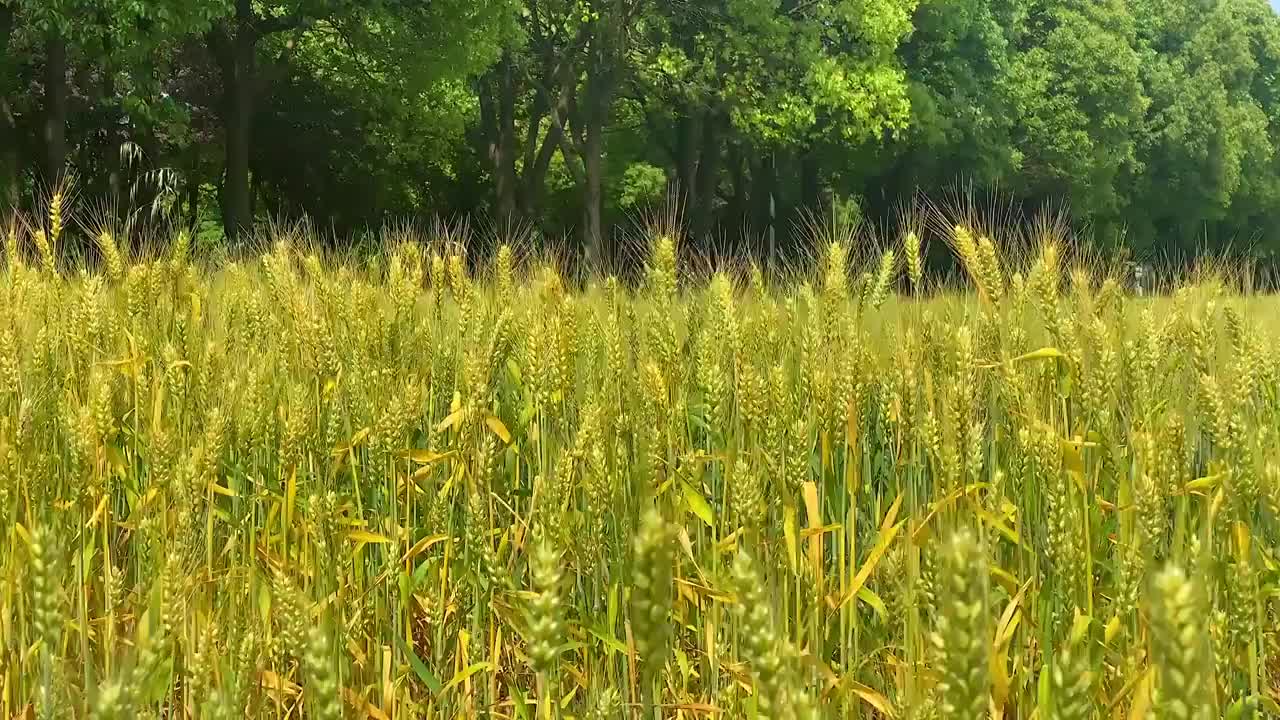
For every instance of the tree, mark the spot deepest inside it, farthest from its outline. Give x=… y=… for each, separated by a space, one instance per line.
x=1209 y=137
x=1078 y=101
x=233 y=41
x=733 y=83
x=367 y=112
x=957 y=61
x=559 y=76
x=1161 y=118
x=591 y=39
x=423 y=35
x=9 y=163
x=517 y=138
x=95 y=57
x=496 y=91
x=51 y=22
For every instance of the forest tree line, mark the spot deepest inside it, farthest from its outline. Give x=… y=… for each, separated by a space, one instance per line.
x=1153 y=123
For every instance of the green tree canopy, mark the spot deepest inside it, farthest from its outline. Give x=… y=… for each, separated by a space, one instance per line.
x=1153 y=122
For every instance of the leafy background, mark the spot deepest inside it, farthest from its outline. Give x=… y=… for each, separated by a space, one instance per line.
x=1154 y=127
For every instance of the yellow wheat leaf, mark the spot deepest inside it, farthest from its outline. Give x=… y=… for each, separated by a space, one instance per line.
x=1112 y=630
x=789 y=535
x=498 y=429
x=290 y=496
x=361 y=537
x=814 y=531
x=872 y=698
x=873 y=559
x=1044 y=353
x=1242 y=541
x=22 y=533
x=362 y=706
x=1141 y=705
x=453 y=419
x=427 y=457
x=1004 y=579
x=814 y=511
x=423 y=545
x=272 y=681
x=464 y=674
x=219 y=490
x=97 y=511
x=1201 y=484
x=698 y=504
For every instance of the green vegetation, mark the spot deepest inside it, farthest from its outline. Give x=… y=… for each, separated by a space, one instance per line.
x=428 y=485
x=1154 y=123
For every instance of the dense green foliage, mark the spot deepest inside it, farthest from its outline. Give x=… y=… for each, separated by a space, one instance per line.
x=308 y=487
x=1155 y=122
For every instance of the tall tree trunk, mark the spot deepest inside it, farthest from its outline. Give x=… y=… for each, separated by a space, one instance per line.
x=114 y=140
x=502 y=149
x=601 y=79
x=9 y=166
x=193 y=190
x=193 y=204
x=708 y=177
x=537 y=161
x=236 y=48
x=497 y=121
x=739 y=211
x=534 y=181
x=55 y=105
x=112 y=163
x=810 y=180
x=764 y=178
x=536 y=155
x=688 y=146
x=238 y=191
x=593 y=198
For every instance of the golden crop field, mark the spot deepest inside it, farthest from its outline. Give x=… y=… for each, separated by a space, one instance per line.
x=422 y=487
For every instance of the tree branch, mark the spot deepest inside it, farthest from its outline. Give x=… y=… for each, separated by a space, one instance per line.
x=631 y=12
x=537 y=111
x=559 y=105
x=802 y=6
x=570 y=147
x=355 y=53
x=535 y=169
x=273 y=24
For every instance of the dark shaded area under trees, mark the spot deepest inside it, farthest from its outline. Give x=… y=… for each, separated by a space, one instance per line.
x=1155 y=123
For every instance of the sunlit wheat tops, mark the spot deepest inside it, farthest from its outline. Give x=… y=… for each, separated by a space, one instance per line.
x=439 y=482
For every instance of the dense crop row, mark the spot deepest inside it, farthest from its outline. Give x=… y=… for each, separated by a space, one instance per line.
x=292 y=487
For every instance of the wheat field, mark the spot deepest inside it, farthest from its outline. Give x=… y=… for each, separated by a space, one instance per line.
x=422 y=485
